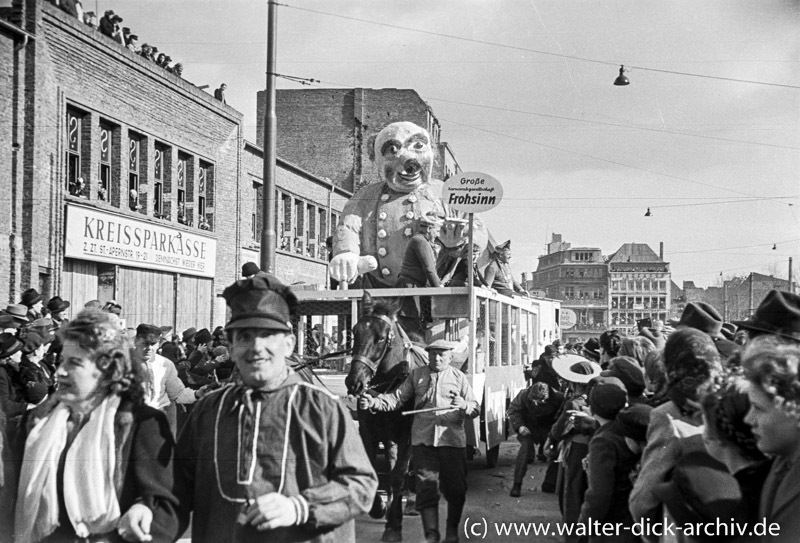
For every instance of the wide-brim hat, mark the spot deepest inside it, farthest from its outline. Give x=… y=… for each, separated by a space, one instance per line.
x=30 y=297
x=575 y=368
x=7 y=321
x=57 y=304
x=701 y=490
x=9 y=345
x=18 y=312
x=431 y=219
x=261 y=301
x=703 y=317
x=778 y=314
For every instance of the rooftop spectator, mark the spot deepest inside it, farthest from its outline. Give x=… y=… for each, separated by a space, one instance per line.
x=219 y=93
x=178 y=69
x=90 y=18
x=133 y=43
x=109 y=25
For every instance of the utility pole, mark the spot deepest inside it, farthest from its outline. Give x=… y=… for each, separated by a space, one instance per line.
x=791 y=287
x=750 y=311
x=268 y=237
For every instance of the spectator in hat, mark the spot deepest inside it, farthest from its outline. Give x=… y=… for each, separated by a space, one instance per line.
x=531 y=415
x=591 y=350
x=187 y=338
x=165 y=63
x=160 y=59
x=178 y=69
x=112 y=306
x=93 y=304
x=223 y=362
x=627 y=370
x=201 y=363
x=438 y=438
x=145 y=51
x=609 y=464
x=126 y=33
x=498 y=273
x=12 y=389
x=249 y=269
x=778 y=314
x=692 y=361
x=37 y=377
x=34 y=302
x=541 y=370
x=17 y=315
x=419 y=270
x=109 y=26
x=706 y=318
x=631 y=424
x=571 y=433
x=310 y=475
x=56 y=308
x=770 y=364
x=132 y=43
x=162 y=387
x=219 y=93
x=729 y=439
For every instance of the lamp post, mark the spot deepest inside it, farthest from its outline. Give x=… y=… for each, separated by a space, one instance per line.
x=268 y=237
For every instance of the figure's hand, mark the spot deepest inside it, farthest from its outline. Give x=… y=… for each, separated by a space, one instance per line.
x=270 y=511
x=523 y=431
x=134 y=525
x=344 y=267
x=365 y=402
x=204 y=390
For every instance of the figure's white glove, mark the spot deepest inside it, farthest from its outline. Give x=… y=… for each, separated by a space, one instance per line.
x=348 y=266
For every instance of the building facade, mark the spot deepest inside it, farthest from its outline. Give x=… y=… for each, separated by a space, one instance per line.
x=579 y=278
x=639 y=286
x=126 y=182
x=738 y=297
x=330 y=131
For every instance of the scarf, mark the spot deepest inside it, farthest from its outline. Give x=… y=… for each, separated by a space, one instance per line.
x=88 y=480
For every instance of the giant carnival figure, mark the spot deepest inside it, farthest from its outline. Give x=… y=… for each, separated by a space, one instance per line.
x=380 y=219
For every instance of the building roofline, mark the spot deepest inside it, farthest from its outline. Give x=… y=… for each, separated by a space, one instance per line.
x=285 y=164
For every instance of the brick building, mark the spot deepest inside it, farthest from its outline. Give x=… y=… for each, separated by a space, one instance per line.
x=327 y=131
x=738 y=297
x=125 y=181
x=579 y=278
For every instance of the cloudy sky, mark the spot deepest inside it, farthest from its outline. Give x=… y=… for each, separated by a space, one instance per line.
x=523 y=91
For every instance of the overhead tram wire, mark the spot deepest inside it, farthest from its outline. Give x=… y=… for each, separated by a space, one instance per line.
x=537 y=51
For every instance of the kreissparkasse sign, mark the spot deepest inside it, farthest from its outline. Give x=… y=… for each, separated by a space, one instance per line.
x=107 y=237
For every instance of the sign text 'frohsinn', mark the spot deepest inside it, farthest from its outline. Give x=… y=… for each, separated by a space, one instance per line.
x=472 y=192
x=105 y=237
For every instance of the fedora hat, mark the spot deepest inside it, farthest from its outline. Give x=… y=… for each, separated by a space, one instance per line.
x=56 y=304
x=9 y=344
x=18 y=312
x=591 y=349
x=703 y=317
x=8 y=322
x=777 y=314
x=575 y=368
x=188 y=334
x=30 y=297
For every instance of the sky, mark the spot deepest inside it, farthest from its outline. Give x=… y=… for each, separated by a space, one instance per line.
x=523 y=91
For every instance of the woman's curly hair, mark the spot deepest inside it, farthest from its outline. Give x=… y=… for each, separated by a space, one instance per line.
x=773 y=364
x=111 y=350
x=725 y=409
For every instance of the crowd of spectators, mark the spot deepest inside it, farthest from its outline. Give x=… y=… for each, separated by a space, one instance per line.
x=109 y=25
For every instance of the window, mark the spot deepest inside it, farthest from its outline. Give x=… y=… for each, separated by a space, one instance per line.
x=322 y=222
x=299 y=226
x=76 y=185
x=183 y=167
x=205 y=194
x=158 y=181
x=255 y=196
x=134 y=162
x=311 y=231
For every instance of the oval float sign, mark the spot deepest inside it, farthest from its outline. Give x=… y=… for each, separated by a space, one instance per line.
x=568 y=319
x=472 y=192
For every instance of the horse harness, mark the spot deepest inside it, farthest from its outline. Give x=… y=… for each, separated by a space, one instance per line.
x=408 y=352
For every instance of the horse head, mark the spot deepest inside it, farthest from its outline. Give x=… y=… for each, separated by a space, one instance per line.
x=373 y=340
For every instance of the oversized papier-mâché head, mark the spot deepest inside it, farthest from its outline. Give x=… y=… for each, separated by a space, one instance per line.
x=403 y=154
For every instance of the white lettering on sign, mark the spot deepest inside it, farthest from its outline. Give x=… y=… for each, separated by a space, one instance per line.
x=472 y=192
x=105 y=237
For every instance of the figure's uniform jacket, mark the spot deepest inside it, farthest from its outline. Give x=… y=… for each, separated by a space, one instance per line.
x=306 y=444
x=378 y=221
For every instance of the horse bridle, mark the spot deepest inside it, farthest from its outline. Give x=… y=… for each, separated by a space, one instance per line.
x=371 y=364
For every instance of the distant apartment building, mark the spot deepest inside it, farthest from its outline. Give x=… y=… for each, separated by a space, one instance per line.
x=329 y=131
x=640 y=283
x=579 y=278
x=738 y=297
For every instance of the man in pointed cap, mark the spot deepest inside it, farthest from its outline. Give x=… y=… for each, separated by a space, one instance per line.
x=498 y=272
x=273 y=458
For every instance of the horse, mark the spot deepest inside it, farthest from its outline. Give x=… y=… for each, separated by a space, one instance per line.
x=383 y=356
